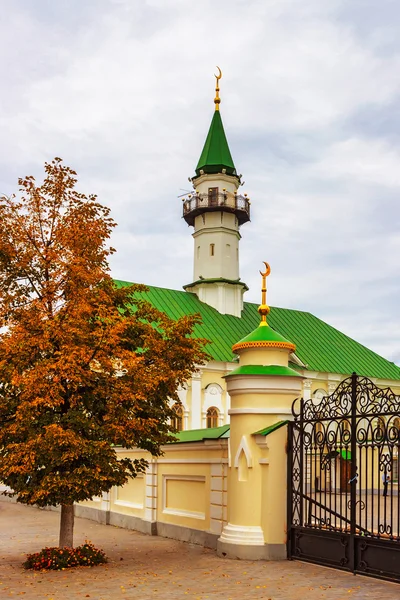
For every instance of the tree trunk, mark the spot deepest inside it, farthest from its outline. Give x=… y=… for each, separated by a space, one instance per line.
x=67 y=526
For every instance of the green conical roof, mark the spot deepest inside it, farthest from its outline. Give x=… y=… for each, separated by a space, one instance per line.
x=216 y=154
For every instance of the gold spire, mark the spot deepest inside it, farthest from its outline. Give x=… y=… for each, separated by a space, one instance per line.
x=217 y=99
x=264 y=309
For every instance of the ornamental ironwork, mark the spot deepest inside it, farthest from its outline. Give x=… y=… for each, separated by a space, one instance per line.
x=343 y=479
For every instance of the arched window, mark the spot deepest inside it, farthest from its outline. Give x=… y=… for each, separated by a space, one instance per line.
x=177 y=420
x=212 y=417
x=317 y=398
x=318 y=395
x=212 y=249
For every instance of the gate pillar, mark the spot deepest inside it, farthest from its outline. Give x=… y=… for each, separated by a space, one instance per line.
x=262 y=390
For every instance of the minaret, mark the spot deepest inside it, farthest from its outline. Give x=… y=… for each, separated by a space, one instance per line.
x=216 y=211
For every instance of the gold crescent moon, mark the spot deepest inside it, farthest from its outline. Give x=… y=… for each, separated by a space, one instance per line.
x=220 y=74
x=267 y=269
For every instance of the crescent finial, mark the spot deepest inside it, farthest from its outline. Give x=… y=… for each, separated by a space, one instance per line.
x=217 y=99
x=267 y=270
x=263 y=309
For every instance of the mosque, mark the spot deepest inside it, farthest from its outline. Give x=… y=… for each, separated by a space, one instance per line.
x=320 y=353
x=235 y=474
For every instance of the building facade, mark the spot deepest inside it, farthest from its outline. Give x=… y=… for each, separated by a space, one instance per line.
x=217 y=210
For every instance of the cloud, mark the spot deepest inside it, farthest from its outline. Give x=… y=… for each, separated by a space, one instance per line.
x=123 y=90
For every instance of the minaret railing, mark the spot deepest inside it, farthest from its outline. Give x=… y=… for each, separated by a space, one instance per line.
x=224 y=201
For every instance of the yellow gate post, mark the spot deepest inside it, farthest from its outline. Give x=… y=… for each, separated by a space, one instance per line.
x=262 y=390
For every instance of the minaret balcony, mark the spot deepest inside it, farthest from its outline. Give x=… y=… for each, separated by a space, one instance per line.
x=223 y=201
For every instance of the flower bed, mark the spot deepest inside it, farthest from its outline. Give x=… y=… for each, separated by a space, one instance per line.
x=64 y=558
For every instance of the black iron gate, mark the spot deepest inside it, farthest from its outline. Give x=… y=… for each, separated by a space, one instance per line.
x=343 y=480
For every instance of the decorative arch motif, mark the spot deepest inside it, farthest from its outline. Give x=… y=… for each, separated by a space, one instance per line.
x=319 y=394
x=213 y=388
x=213 y=400
x=243 y=447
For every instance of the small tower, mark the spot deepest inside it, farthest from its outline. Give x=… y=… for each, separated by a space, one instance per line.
x=262 y=389
x=216 y=211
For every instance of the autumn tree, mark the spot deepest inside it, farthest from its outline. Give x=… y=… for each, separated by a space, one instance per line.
x=85 y=366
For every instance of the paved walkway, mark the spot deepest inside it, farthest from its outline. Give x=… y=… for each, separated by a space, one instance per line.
x=143 y=567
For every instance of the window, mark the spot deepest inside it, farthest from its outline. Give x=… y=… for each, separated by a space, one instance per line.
x=228 y=250
x=177 y=420
x=212 y=248
x=212 y=417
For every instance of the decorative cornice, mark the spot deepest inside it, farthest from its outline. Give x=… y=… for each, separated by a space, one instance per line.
x=259 y=384
x=218 y=444
x=280 y=345
x=307 y=383
x=217 y=229
x=227 y=177
x=219 y=280
x=251 y=410
x=191 y=461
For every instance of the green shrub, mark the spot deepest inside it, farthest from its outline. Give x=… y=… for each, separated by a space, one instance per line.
x=64 y=558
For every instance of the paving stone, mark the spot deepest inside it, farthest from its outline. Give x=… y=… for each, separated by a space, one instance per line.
x=143 y=567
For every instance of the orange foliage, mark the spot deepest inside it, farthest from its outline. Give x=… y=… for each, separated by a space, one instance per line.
x=84 y=366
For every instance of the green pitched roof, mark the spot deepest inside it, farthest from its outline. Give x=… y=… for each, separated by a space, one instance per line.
x=198 y=435
x=216 y=154
x=318 y=345
x=223 y=432
x=271 y=428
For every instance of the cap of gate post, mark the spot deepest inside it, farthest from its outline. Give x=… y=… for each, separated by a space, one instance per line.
x=262 y=389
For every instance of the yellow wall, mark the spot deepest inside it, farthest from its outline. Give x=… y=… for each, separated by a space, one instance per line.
x=191 y=480
x=129 y=498
x=261 y=421
x=258 y=356
x=274 y=488
x=190 y=483
x=185 y=493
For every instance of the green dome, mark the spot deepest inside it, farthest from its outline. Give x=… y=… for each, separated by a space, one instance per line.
x=266 y=337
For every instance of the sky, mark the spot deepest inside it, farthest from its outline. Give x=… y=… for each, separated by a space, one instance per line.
x=123 y=91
